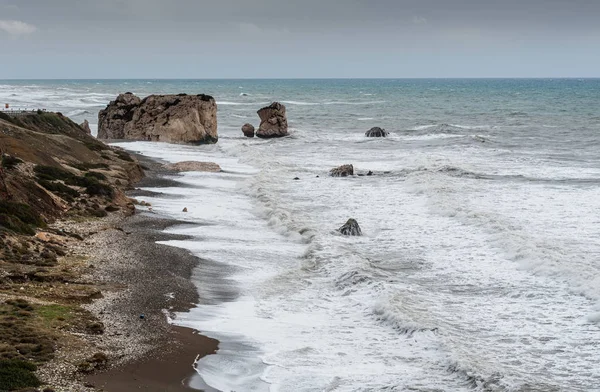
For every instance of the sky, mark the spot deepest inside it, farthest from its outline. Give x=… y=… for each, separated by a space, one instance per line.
x=66 y=39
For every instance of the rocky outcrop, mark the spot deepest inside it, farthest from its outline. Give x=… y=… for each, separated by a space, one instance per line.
x=376 y=132
x=167 y=118
x=248 y=130
x=86 y=127
x=342 y=171
x=273 y=121
x=351 y=228
x=186 y=166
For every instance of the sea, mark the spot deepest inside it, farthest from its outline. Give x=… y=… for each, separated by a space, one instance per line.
x=479 y=264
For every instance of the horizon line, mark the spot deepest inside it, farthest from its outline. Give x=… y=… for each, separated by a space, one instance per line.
x=323 y=78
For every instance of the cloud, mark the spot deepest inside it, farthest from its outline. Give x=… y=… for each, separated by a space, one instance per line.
x=16 y=27
x=419 y=20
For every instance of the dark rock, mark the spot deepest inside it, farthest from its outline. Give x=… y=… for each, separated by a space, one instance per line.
x=370 y=173
x=296 y=178
x=342 y=171
x=248 y=130
x=376 y=132
x=351 y=228
x=273 y=121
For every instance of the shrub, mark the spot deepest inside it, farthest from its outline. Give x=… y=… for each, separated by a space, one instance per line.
x=60 y=189
x=85 y=166
x=96 y=146
x=52 y=173
x=123 y=155
x=16 y=374
x=96 y=175
x=10 y=162
x=19 y=218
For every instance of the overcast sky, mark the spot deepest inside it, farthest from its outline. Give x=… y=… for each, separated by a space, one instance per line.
x=299 y=39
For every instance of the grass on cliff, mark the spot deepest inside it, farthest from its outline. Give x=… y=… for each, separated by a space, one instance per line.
x=90 y=182
x=15 y=374
x=19 y=218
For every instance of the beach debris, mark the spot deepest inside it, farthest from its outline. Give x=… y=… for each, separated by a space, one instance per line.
x=248 y=130
x=187 y=166
x=376 y=132
x=351 y=228
x=342 y=171
x=185 y=209
x=142 y=316
x=273 y=121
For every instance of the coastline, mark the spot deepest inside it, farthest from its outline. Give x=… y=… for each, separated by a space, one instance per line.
x=136 y=277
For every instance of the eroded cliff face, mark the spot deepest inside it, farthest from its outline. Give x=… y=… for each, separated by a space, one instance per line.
x=166 y=118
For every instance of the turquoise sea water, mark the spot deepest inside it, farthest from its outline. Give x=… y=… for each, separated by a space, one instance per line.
x=480 y=264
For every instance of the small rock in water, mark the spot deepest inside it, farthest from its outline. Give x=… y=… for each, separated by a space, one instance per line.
x=342 y=171
x=296 y=178
x=370 y=173
x=351 y=228
x=185 y=209
x=376 y=132
x=248 y=130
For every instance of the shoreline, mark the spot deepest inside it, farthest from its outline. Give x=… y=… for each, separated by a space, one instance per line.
x=160 y=356
x=141 y=283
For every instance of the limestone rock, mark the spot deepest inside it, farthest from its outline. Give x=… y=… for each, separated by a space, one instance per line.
x=248 y=130
x=86 y=127
x=342 y=171
x=273 y=121
x=167 y=118
x=351 y=228
x=186 y=166
x=376 y=132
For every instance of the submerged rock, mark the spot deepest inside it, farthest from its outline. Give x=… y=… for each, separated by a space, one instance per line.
x=86 y=127
x=351 y=228
x=248 y=130
x=376 y=132
x=273 y=121
x=187 y=166
x=342 y=171
x=167 y=118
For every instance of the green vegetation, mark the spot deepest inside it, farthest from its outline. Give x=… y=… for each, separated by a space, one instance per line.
x=53 y=314
x=16 y=374
x=96 y=175
x=85 y=166
x=124 y=156
x=10 y=162
x=90 y=182
x=96 y=146
x=19 y=218
x=60 y=189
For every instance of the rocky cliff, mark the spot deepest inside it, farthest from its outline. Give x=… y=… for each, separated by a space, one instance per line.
x=166 y=118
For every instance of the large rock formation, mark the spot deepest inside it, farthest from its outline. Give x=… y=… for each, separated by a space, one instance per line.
x=273 y=122
x=167 y=118
x=342 y=171
x=351 y=228
x=376 y=132
x=248 y=130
